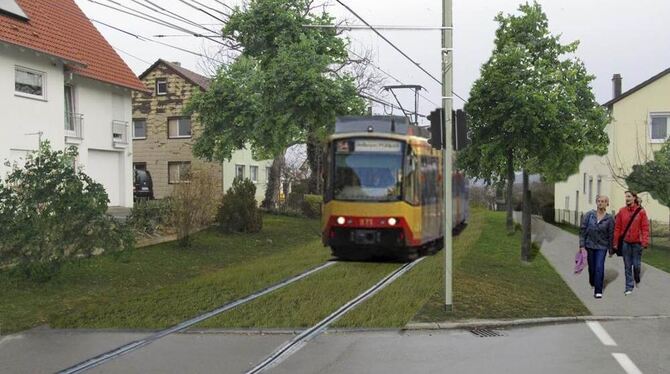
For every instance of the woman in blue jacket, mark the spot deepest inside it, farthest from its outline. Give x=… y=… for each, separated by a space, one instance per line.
x=595 y=236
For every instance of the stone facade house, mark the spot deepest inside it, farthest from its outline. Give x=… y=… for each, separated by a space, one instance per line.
x=163 y=137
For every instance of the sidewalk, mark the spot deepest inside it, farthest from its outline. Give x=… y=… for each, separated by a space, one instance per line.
x=559 y=248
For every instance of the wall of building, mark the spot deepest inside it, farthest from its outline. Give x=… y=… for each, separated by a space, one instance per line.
x=244 y=158
x=21 y=115
x=630 y=144
x=93 y=99
x=96 y=102
x=157 y=149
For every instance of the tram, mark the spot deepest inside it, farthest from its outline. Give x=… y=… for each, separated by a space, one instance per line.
x=383 y=193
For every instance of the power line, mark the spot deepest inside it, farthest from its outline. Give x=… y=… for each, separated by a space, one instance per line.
x=133 y=56
x=202 y=10
x=146 y=17
x=384 y=102
x=171 y=14
x=389 y=75
x=394 y=46
x=225 y=5
x=145 y=39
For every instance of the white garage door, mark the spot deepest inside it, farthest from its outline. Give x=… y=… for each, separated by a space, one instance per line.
x=105 y=168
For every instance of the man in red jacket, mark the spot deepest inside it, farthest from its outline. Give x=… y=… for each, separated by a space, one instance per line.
x=636 y=238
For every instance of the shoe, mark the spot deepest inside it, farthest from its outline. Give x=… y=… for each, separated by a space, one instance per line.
x=598 y=296
x=628 y=292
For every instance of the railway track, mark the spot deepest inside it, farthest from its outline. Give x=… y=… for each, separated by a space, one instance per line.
x=132 y=346
x=295 y=344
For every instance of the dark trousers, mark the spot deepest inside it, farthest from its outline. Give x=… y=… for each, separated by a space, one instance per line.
x=632 y=262
x=596 y=261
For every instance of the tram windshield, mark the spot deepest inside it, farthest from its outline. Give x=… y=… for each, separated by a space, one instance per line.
x=368 y=170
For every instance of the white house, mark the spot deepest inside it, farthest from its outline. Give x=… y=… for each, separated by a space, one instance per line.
x=61 y=81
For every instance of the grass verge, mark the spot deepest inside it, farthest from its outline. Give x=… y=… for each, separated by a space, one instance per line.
x=491 y=282
x=161 y=285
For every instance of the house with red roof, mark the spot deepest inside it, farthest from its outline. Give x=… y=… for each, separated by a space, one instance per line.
x=63 y=82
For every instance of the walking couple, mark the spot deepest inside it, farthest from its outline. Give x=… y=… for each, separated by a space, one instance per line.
x=626 y=235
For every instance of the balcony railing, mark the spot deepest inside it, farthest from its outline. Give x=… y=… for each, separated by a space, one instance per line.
x=74 y=127
x=120 y=134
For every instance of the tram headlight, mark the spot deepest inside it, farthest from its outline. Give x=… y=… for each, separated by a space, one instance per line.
x=340 y=220
x=392 y=221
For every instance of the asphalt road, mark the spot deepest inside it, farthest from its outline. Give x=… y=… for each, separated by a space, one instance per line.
x=567 y=348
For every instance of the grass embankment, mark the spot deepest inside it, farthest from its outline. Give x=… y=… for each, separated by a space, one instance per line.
x=159 y=286
x=489 y=282
x=658 y=254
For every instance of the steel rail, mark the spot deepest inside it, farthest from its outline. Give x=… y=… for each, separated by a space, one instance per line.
x=295 y=344
x=132 y=346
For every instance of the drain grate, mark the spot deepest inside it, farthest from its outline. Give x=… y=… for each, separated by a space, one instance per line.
x=486 y=333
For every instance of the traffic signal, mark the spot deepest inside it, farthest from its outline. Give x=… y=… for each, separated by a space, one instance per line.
x=436 y=119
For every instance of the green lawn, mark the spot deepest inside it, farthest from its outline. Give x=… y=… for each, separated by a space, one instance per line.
x=161 y=285
x=491 y=282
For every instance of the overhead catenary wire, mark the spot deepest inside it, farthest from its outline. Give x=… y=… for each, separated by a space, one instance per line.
x=377 y=67
x=145 y=39
x=146 y=17
x=131 y=55
x=172 y=15
x=202 y=10
x=394 y=46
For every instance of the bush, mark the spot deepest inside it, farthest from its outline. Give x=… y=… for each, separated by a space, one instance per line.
x=239 y=211
x=193 y=204
x=311 y=206
x=297 y=194
x=151 y=216
x=49 y=211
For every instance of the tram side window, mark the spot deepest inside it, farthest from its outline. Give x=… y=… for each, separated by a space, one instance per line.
x=429 y=171
x=411 y=180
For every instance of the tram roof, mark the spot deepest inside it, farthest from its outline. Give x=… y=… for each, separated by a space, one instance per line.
x=379 y=124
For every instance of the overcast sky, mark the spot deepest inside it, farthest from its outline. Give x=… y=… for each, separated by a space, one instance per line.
x=617 y=36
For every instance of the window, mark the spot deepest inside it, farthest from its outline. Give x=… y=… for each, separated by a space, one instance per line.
x=140 y=166
x=179 y=127
x=161 y=86
x=591 y=190
x=599 y=186
x=29 y=83
x=584 y=187
x=178 y=172
x=139 y=128
x=239 y=171
x=268 y=170
x=659 y=126
x=253 y=173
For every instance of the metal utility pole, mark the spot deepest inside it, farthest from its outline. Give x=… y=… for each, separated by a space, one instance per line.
x=447 y=104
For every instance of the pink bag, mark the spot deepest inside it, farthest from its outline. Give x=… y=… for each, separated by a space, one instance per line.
x=580 y=261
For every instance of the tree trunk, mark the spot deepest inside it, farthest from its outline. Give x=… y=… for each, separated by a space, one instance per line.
x=525 y=221
x=315 y=161
x=274 y=183
x=510 y=192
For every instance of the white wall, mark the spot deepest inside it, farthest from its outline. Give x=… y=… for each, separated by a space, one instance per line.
x=95 y=101
x=21 y=115
x=92 y=98
x=244 y=157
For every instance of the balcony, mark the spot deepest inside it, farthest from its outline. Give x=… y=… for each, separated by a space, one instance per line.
x=119 y=134
x=74 y=128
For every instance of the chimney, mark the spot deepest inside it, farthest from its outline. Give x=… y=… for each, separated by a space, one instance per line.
x=616 y=86
x=179 y=64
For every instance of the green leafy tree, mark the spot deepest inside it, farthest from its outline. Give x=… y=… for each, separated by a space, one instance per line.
x=653 y=176
x=532 y=109
x=283 y=89
x=49 y=211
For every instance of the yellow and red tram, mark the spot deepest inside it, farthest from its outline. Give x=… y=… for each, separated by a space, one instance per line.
x=384 y=194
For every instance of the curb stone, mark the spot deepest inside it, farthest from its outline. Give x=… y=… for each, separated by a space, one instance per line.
x=521 y=322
